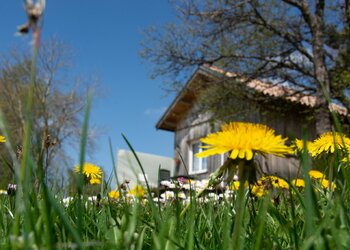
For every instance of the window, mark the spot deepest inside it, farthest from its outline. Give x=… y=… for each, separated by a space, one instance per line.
x=197 y=165
x=223 y=158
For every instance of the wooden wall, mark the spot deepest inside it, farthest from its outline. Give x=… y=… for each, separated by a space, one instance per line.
x=193 y=127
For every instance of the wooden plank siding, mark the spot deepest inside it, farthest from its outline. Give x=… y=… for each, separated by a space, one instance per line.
x=191 y=128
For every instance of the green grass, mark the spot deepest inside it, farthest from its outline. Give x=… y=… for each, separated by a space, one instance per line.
x=294 y=221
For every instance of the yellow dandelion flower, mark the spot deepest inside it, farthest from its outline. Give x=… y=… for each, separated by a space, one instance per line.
x=298 y=183
x=2 y=138
x=298 y=145
x=258 y=190
x=346 y=159
x=95 y=181
x=90 y=171
x=114 y=194
x=236 y=184
x=243 y=140
x=279 y=183
x=325 y=184
x=315 y=174
x=328 y=142
x=275 y=181
x=137 y=191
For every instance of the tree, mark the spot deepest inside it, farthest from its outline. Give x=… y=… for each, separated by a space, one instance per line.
x=294 y=42
x=58 y=104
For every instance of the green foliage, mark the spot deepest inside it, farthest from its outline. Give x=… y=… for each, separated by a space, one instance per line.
x=293 y=219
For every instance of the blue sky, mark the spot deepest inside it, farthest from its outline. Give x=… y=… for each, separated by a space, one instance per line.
x=106 y=36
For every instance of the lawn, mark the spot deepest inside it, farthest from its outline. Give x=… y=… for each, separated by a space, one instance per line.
x=311 y=212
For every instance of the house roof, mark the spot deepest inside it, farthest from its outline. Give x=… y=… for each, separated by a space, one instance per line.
x=204 y=74
x=183 y=101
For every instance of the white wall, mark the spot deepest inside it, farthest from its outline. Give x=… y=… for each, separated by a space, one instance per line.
x=128 y=168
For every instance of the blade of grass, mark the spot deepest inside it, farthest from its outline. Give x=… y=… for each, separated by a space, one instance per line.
x=140 y=240
x=24 y=185
x=114 y=166
x=261 y=221
x=309 y=196
x=239 y=207
x=294 y=231
x=138 y=162
x=190 y=230
x=65 y=221
x=81 y=162
x=149 y=196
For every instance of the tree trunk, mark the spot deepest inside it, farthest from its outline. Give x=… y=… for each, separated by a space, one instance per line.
x=322 y=113
x=323 y=116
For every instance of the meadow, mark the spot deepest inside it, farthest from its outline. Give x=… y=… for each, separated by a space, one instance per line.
x=311 y=212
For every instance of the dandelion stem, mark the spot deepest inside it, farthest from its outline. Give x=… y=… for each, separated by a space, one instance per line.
x=214 y=179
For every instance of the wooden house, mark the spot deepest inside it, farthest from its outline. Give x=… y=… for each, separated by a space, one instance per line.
x=189 y=124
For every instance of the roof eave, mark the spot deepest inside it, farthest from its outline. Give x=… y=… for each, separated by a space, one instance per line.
x=179 y=99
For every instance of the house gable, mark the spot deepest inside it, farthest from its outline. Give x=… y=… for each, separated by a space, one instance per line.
x=184 y=101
